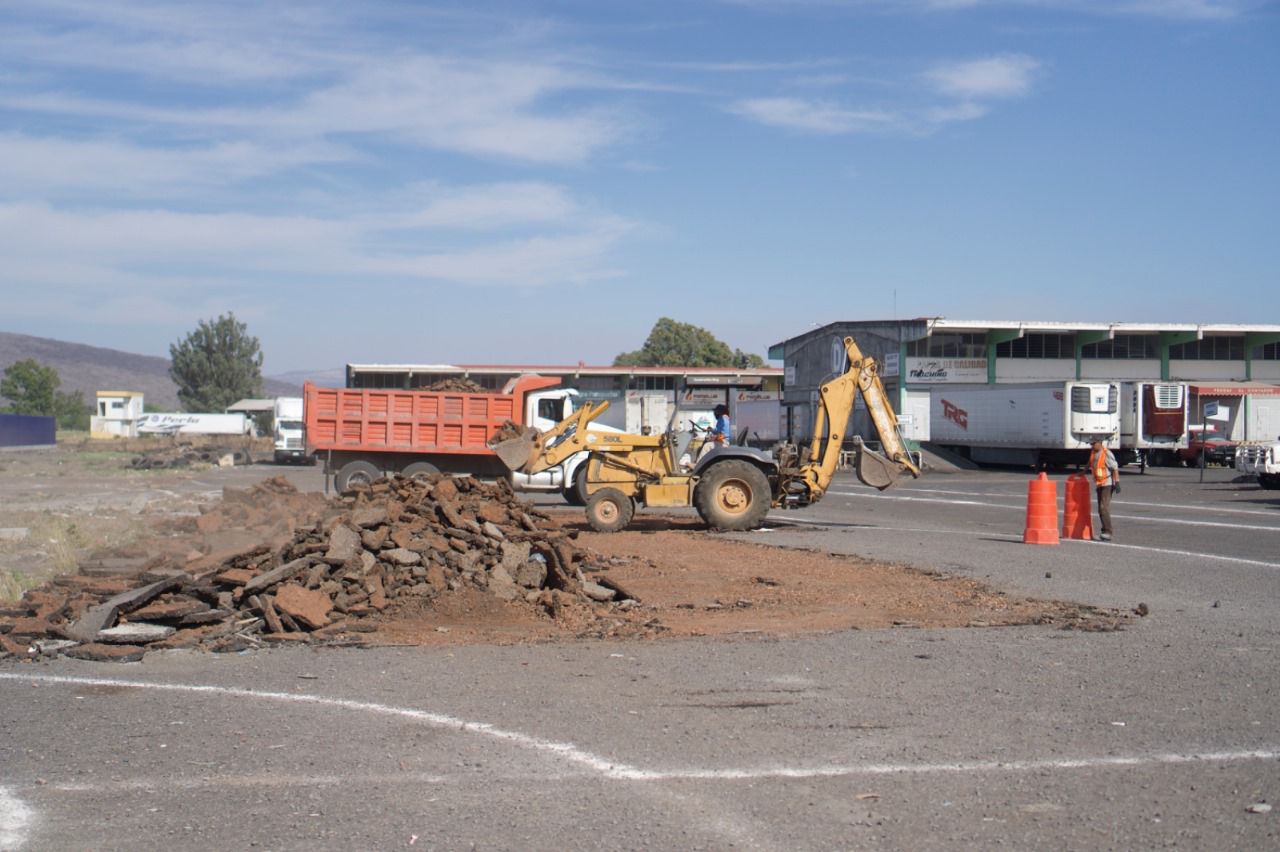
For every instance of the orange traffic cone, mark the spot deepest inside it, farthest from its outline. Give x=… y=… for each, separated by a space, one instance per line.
x=1077 y=513
x=1042 y=511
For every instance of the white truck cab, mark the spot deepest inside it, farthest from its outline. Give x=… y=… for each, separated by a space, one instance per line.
x=1261 y=460
x=544 y=409
x=287 y=429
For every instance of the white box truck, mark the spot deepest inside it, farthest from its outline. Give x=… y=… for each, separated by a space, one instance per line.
x=290 y=437
x=1034 y=424
x=1153 y=422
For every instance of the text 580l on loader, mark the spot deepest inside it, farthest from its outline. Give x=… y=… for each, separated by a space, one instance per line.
x=732 y=487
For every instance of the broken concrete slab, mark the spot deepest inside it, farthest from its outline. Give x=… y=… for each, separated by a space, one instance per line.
x=276 y=575
x=135 y=633
x=309 y=606
x=344 y=543
x=107 y=653
x=102 y=616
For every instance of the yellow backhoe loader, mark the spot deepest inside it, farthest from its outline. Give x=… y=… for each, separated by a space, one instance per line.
x=732 y=487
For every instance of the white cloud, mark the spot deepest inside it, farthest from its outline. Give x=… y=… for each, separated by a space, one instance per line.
x=812 y=116
x=52 y=166
x=157 y=251
x=1174 y=9
x=1009 y=76
x=493 y=206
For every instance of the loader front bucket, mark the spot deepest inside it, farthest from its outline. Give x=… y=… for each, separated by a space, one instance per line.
x=517 y=452
x=874 y=469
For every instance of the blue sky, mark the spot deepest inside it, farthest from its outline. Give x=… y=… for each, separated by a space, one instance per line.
x=539 y=182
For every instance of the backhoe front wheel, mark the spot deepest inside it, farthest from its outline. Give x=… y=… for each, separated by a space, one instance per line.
x=733 y=495
x=609 y=510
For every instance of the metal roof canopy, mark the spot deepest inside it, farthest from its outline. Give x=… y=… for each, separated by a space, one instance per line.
x=1235 y=389
x=937 y=325
x=747 y=373
x=247 y=406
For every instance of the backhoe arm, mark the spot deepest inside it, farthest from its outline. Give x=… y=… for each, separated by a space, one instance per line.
x=835 y=407
x=534 y=451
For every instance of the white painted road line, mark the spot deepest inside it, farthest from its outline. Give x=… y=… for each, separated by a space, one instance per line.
x=622 y=772
x=1020 y=508
x=867 y=491
x=15 y=821
x=988 y=534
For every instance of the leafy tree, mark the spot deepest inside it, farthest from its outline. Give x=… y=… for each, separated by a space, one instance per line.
x=679 y=344
x=216 y=365
x=30 y=386
x=71 y=410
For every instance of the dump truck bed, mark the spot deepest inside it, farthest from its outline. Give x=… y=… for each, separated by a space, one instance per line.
x=349 y=419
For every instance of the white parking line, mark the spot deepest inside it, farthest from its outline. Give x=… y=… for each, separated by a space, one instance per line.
x=989 y=505
x=15 y=821
x=615 y=771
x=867 y=491
x=988 y=534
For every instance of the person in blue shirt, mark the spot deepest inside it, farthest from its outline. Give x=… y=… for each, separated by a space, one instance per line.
x=721 y=434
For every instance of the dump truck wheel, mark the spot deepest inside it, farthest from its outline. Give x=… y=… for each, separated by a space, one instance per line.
x=419 y=470
x=576 y=493
x=355 y=473
x=609 y=510
x=733 y=495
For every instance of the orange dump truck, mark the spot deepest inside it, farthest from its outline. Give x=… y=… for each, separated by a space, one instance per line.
x=360 y=435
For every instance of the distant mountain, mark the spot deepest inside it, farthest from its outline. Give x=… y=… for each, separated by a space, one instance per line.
x=89 y=369
x=335 y=378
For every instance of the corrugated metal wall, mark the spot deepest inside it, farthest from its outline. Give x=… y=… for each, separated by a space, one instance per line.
x=21 y=430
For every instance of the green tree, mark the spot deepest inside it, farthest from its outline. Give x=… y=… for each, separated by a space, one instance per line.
x=71 y=410
x=216 y=365
x=679 y=344
x=30 y=387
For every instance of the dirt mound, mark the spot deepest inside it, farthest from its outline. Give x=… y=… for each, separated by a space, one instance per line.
x=394 y=542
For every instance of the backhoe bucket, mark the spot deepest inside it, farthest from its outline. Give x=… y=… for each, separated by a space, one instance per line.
x=516 y=453
x=874 y=469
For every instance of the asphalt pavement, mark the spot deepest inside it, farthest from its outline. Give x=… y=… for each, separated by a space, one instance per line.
x=1163 y=733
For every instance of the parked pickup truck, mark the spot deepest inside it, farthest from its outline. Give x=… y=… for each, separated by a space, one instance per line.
x=1262 y=461
x=1217 y=451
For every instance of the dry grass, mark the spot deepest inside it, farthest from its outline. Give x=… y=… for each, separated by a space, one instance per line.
x=55 y=544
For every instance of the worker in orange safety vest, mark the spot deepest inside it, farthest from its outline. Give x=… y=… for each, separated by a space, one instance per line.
x=1106 y=480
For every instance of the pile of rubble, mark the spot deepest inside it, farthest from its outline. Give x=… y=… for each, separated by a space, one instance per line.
x=454 y=386
x=392 y=541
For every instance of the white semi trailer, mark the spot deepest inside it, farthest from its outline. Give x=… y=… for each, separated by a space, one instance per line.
x=1153 y=422
x=1035 y=424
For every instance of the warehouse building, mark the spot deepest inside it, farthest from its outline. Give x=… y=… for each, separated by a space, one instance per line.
x=1232 y=371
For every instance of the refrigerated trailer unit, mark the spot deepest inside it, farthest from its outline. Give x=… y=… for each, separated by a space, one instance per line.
x=1153 y=422
x=1025 y=424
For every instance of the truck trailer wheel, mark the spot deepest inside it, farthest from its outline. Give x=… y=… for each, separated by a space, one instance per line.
x=609 y=510
x=733 y=495
x=1269 y=481
x=575 y=494
x=355 y=473
x=419 y=470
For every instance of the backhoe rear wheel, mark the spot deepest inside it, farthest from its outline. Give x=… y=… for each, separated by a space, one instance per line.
x=609 y=510
x=733 y=495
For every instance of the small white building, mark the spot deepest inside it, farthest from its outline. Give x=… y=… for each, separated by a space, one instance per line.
x=116 y=415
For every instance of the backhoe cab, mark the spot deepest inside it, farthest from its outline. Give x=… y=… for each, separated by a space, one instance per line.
x=732 y=487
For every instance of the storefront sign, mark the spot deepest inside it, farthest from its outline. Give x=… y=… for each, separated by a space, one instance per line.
x=701 y=396
x=757 y=396
x=943 y=370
